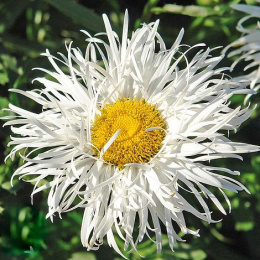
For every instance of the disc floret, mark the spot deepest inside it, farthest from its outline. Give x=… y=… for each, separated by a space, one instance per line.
x=134 y=144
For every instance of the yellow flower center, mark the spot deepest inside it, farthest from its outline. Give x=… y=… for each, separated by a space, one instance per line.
x=133 y=144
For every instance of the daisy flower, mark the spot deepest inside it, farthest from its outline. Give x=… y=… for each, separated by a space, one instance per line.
x=128 y=132
x=248 y=45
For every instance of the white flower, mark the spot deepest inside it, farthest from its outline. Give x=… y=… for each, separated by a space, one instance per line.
x=248 y=46
x=128 y=136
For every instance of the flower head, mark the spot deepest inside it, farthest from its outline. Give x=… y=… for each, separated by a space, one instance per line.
x=248 y=46
x=127 y=136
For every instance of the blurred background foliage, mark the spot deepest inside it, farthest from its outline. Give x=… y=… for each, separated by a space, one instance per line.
x=27 y=28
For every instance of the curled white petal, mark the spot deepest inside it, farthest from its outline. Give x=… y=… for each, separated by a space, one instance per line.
x=192 y=96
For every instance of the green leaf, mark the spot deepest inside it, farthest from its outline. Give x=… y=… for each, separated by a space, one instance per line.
x=244 y=226
x=79 y=14
x=251 y=2
x=4 y=102
x=198 y=254
x=256 y=163
x=190 y=10
x=3 y=78
x=9 y=62
x=17 y=45
x=6 y=185
x=146 y=15
x=218 y=235
x=82 y=256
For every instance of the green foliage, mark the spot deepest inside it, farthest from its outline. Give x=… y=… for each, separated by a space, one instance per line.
x=27 y=28
x=79 y=14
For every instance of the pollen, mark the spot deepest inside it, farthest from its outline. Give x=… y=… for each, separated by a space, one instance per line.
x=134 y=144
